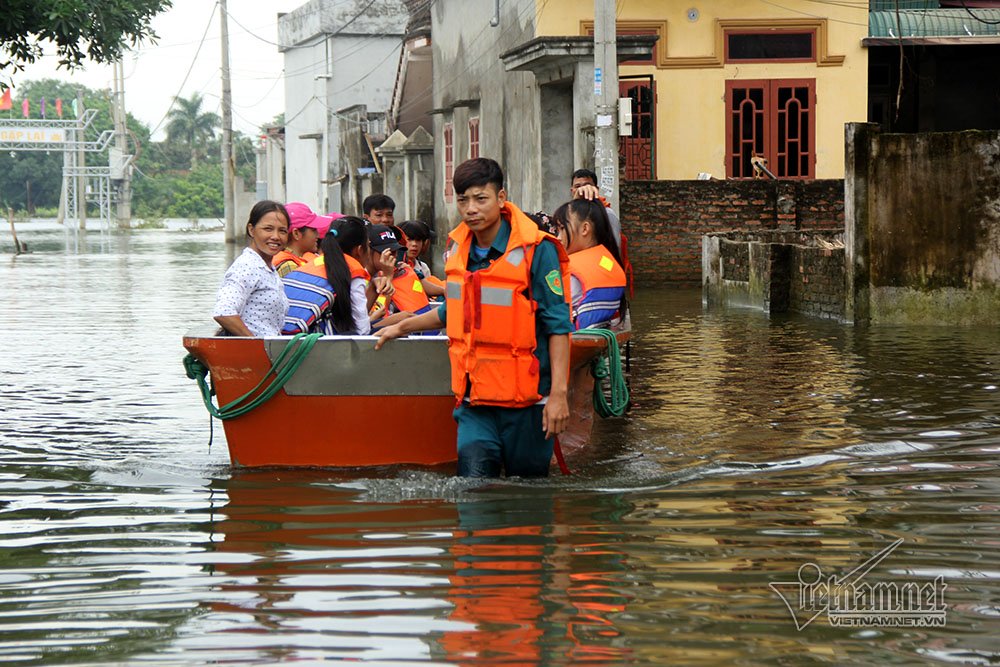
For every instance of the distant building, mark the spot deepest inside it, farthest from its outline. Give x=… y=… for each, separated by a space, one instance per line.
x=338 y=55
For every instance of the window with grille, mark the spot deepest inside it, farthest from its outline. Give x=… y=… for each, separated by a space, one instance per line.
x=473 y=138
x=774 y=119
x=449 y=161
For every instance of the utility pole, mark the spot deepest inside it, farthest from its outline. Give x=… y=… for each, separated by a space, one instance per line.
x=121 y=168
x=606 y=100
x=81 y=161
x=227 y=131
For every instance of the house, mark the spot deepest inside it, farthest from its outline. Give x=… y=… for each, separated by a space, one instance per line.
x=340 y=62
x=712 y=85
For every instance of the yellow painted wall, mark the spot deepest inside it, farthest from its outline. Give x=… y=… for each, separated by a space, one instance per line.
x=691 y=112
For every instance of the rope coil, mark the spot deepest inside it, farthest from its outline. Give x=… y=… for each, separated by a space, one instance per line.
x=282 y=370
x=607 y=370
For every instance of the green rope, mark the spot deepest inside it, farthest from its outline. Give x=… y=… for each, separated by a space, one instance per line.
x=282 y=369
x=607 y=370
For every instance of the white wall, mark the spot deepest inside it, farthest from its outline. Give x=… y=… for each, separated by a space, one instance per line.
x=337 y=53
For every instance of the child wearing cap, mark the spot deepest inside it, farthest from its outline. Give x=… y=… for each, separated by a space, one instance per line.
x=408 y=295
x=305 y=229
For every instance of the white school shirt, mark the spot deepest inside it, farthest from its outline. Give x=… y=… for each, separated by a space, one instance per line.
x=253 y=290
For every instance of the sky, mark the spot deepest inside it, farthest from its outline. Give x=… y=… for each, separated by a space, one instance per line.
x=154 y=73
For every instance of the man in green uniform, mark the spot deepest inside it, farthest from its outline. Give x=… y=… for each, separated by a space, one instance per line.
x=498 y=432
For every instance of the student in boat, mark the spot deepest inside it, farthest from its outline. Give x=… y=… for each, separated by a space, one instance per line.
x=387 y=259
x=418 y=238
x=305 y=229
x=508 y=324
x=597 y=280
x=251 y=301
x=379 y=209
x=333 y=292
x=584 y=186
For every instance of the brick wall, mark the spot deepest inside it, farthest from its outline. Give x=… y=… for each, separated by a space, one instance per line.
x=816 y=284
x=735 y=261
x=665 y=220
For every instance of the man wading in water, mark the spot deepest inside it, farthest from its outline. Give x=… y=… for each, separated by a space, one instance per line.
x=508 y=322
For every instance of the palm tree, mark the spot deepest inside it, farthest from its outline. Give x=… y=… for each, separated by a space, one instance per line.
x=189 y=124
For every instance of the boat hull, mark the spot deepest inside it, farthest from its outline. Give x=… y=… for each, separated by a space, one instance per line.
x=351 y=406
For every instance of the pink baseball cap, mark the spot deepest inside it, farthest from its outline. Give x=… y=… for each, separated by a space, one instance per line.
x=302 y=216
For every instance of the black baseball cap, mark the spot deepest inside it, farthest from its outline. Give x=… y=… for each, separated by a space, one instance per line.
x=384 y=237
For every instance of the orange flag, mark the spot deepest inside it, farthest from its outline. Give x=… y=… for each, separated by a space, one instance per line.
x=5 y=101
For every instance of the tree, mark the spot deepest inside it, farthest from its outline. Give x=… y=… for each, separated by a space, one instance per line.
x=98 y=29
x=188 y=123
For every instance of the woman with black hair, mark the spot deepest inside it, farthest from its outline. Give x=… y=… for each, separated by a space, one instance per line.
x=597 y=280
x=332 y=294
x=251 y=301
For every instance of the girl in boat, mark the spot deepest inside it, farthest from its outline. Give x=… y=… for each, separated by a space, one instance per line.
x=251 y=300
x=597 y=280
x=333 y=293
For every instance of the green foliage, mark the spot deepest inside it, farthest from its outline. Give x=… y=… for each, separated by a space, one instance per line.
x=97 y=29
x=187 y=122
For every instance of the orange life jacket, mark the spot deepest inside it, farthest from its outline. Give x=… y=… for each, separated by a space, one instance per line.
x=357 y=271
x=310 y=293
x=491 y=316
x=623 y=251
x=409 y=295
x=434 y=280
x=289 y=256
x=603 y=282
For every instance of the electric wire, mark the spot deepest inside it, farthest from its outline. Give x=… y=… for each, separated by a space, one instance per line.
x=208 y=25
x=981 y=20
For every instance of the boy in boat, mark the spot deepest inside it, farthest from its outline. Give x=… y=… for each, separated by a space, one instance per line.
x=508 y=322
x=379 y=209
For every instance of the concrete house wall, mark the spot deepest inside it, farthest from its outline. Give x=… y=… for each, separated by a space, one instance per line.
x=470 y=81
x=922 y=218
x=336 y=54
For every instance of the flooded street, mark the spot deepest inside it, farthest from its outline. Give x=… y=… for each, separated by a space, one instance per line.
x=755 y=446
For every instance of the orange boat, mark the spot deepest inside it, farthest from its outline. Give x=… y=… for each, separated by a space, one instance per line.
x=351 y=406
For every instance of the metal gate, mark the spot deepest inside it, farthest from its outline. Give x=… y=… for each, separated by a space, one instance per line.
x=637 y=152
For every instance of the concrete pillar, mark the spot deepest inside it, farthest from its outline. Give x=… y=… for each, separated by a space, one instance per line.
x=860 y=149
x=711 y=271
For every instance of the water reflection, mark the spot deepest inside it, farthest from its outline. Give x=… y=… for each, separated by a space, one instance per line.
x=494 y=576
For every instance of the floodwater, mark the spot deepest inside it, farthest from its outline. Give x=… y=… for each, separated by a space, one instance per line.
x=755 y=447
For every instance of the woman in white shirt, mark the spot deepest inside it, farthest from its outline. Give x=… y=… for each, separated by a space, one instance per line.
x=251 y=300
